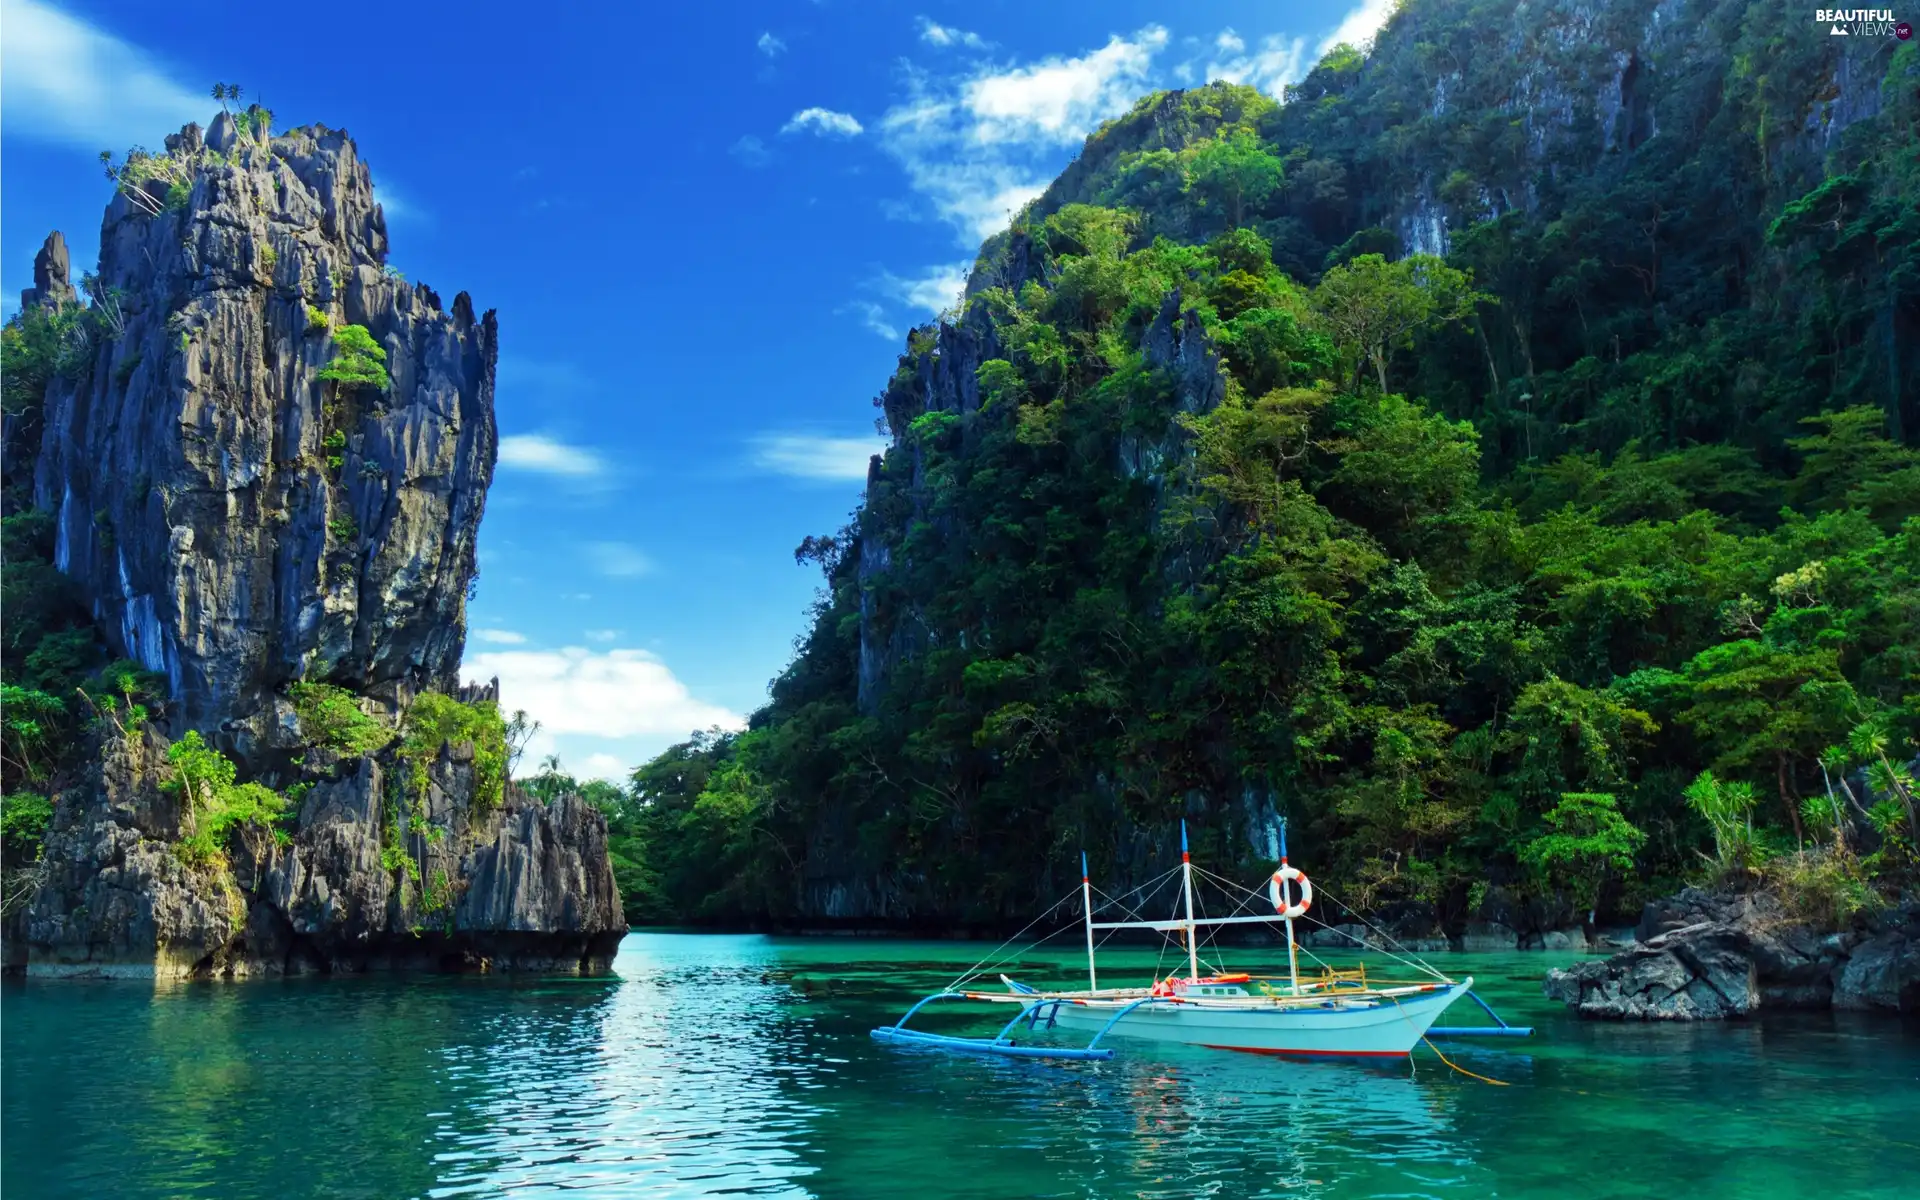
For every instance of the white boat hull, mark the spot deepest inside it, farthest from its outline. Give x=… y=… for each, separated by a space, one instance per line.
x=1337 y=1026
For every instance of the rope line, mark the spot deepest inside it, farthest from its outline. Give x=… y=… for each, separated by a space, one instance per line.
x=1436 y=1050
x=1469 y=1074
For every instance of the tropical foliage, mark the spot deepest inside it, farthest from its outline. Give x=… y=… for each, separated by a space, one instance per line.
x=213 y=803
x=358 y=360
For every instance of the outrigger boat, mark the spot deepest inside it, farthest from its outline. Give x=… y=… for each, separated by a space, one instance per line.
x=1338 y=1012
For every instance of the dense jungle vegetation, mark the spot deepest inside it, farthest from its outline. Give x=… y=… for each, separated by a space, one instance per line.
x=1579 y=561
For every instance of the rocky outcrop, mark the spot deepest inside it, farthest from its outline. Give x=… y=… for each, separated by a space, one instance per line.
x=527 y=886
x=1704 y=972
x=1708 y=957
x=1883 y=972
x=237 y=523
x=52 y=276
x=188 y=464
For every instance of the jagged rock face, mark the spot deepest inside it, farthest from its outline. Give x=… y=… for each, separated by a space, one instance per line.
x=195 y=505
x=1705 y=975
x=526 y=887
x=1709 y=957
x=112 y=889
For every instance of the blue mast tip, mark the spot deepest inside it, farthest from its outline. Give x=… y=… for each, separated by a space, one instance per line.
x=1183 y=835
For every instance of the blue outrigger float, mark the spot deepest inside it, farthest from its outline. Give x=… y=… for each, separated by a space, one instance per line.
x=1339 y=1012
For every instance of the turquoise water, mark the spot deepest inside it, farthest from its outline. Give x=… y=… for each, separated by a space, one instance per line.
x=719 y=1065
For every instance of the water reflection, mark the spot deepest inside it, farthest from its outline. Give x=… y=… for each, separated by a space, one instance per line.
x=682 y=1080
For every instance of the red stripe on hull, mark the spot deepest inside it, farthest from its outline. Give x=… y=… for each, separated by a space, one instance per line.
x=1313 y=1053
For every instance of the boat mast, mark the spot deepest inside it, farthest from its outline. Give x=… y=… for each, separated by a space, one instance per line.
x=1186 y=873
x=1293 y=955
x=1086 y=900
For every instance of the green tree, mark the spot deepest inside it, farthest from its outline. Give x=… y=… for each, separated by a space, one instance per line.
x=358 y=360
x=1374 y=307
x=1233 y=175
x=1584 y=837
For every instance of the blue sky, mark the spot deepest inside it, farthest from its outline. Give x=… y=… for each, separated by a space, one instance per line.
x=706 y=227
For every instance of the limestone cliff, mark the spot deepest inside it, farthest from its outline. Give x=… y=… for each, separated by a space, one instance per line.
x=187 y=465
x=238 y=522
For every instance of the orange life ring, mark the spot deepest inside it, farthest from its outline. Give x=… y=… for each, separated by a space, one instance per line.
x=1277 y=890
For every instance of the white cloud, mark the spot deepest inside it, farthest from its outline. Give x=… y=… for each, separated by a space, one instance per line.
x=1062 y=99
x=873 y=317
x=824 y=122
x=979 y=146
x=750 y=151
x=935 y=34
x=603 y=635
x=500 y=637
x=66 y=81
x=619 y=560
x=771 y=46
x=1279 y=61
x=804 y=456
x=1361 y=23
x=549 y=456
x=934 y=290
x=979 y=198
x=580 y=693
x=609 y=767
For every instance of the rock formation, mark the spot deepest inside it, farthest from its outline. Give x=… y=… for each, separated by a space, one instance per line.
x=526 y=886
x=237 y=523
x=52 y=276
x=189 y=467
x=1708 y=957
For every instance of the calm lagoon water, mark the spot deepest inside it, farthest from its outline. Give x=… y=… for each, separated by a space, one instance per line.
x=720 y=1065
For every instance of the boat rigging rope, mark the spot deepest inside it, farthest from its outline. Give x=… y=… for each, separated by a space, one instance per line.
x=1253 y=895
x=1213 y=933
x=993 y=956
x=1405 y=960
x=1134 y=914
